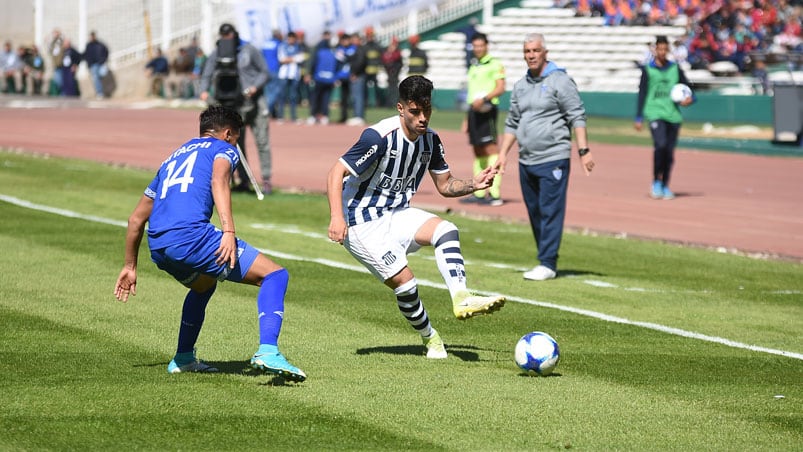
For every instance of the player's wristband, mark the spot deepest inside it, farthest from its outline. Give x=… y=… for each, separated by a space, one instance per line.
x=583 y=151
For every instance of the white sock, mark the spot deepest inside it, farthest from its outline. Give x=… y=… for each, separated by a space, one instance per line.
x=446 y=241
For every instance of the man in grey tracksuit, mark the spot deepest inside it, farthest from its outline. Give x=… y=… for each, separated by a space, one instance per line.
x=544 y=107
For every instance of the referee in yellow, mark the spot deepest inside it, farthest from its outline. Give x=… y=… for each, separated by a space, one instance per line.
x=486 y=82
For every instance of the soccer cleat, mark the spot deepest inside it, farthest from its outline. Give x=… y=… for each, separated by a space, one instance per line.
x=495 y=202
x=465 y=304
x=657 y=191
x=277 y=364
x=540 y=273
x=194 y=365
x=667 y=193
x=471 y=199
x=435 y=347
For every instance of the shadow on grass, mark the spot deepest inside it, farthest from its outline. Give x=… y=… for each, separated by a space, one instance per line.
x=235 y=368
x=462 y=352
x=535 y=375
x=576 y=273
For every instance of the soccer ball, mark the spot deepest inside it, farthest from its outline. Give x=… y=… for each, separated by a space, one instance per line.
x=537 y=352
x=679 y=93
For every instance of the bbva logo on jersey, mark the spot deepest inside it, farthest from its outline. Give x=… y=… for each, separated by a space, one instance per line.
x=396 y=184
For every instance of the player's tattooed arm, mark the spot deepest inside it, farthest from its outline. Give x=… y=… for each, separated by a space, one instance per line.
x=452 y=187
x=458 y=187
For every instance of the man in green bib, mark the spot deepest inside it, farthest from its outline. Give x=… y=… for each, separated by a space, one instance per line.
x=655 y=104
x=486 y=82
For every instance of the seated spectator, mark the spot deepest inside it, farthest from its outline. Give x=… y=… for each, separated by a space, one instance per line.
x=180 y=83
x=11 y=65
x=789 y=38
x=612 y=14
x=644 y=13
x=703 y=48
x=158 y=70
x=200 y=61
x=583 y=8
x=680 y=53
x=33 y=71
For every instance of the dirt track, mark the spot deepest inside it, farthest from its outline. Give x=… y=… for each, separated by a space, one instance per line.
x=739 y=202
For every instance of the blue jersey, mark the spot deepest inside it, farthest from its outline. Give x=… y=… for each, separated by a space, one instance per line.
x=271 y=54
x=386 y=169
x=182 y=192
x=344 y=54
x=325 y=70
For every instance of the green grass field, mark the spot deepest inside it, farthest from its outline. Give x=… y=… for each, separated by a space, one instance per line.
x=663 y=347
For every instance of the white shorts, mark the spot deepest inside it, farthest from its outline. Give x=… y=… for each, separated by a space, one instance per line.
x=382 y=245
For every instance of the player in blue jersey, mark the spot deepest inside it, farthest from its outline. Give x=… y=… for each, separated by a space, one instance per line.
x=177 y=205
x=369 y=190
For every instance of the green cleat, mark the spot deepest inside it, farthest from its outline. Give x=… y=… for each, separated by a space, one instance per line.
x=435 y=347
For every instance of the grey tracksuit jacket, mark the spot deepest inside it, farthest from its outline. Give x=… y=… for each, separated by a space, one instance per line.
x=543 y=110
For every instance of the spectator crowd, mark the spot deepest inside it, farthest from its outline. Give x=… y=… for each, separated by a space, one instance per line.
x=738 y=31
x=346 y=67
x=24 y=68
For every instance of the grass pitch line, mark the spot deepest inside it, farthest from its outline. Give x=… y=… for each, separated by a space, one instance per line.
x=293 y=229
x=63 y=212
x=339 y=265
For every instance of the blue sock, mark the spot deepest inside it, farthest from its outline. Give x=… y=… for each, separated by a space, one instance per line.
x=270 y=305
x=192 y=319
x=265 y=349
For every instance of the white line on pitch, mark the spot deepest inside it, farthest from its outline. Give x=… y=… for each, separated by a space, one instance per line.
x=543 y=304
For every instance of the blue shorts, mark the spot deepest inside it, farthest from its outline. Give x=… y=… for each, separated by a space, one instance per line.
x=187 y=261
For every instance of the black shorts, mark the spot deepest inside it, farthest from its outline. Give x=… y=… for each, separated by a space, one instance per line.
x=482 y=127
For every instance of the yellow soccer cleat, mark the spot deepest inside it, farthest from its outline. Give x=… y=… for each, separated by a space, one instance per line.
x=435 y=347
x=465 y=304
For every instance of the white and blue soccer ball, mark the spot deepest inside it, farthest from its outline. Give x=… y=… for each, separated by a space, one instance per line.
x=537 y=352
x=679 y=93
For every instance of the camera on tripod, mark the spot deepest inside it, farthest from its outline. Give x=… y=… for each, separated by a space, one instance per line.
x=226 y=80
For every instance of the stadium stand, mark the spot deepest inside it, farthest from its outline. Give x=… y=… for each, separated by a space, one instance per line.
x=580 y=34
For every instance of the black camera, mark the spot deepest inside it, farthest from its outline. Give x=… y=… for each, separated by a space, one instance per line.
x=228 y=90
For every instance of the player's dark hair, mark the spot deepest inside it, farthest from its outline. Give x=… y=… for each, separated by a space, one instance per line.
x=661 y=40
x=416 y=88
x=218 y=117
x=481 y=36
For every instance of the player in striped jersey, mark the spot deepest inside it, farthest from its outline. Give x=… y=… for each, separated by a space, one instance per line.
x=369 y=190
x=177 y=205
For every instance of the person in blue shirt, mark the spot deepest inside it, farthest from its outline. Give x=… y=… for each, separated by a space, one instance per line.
x=157 y=69
x=178 y=205
x=369 y=190
x=291 y=57
x=270 y=51
x=344 y=52
x=323 y=71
